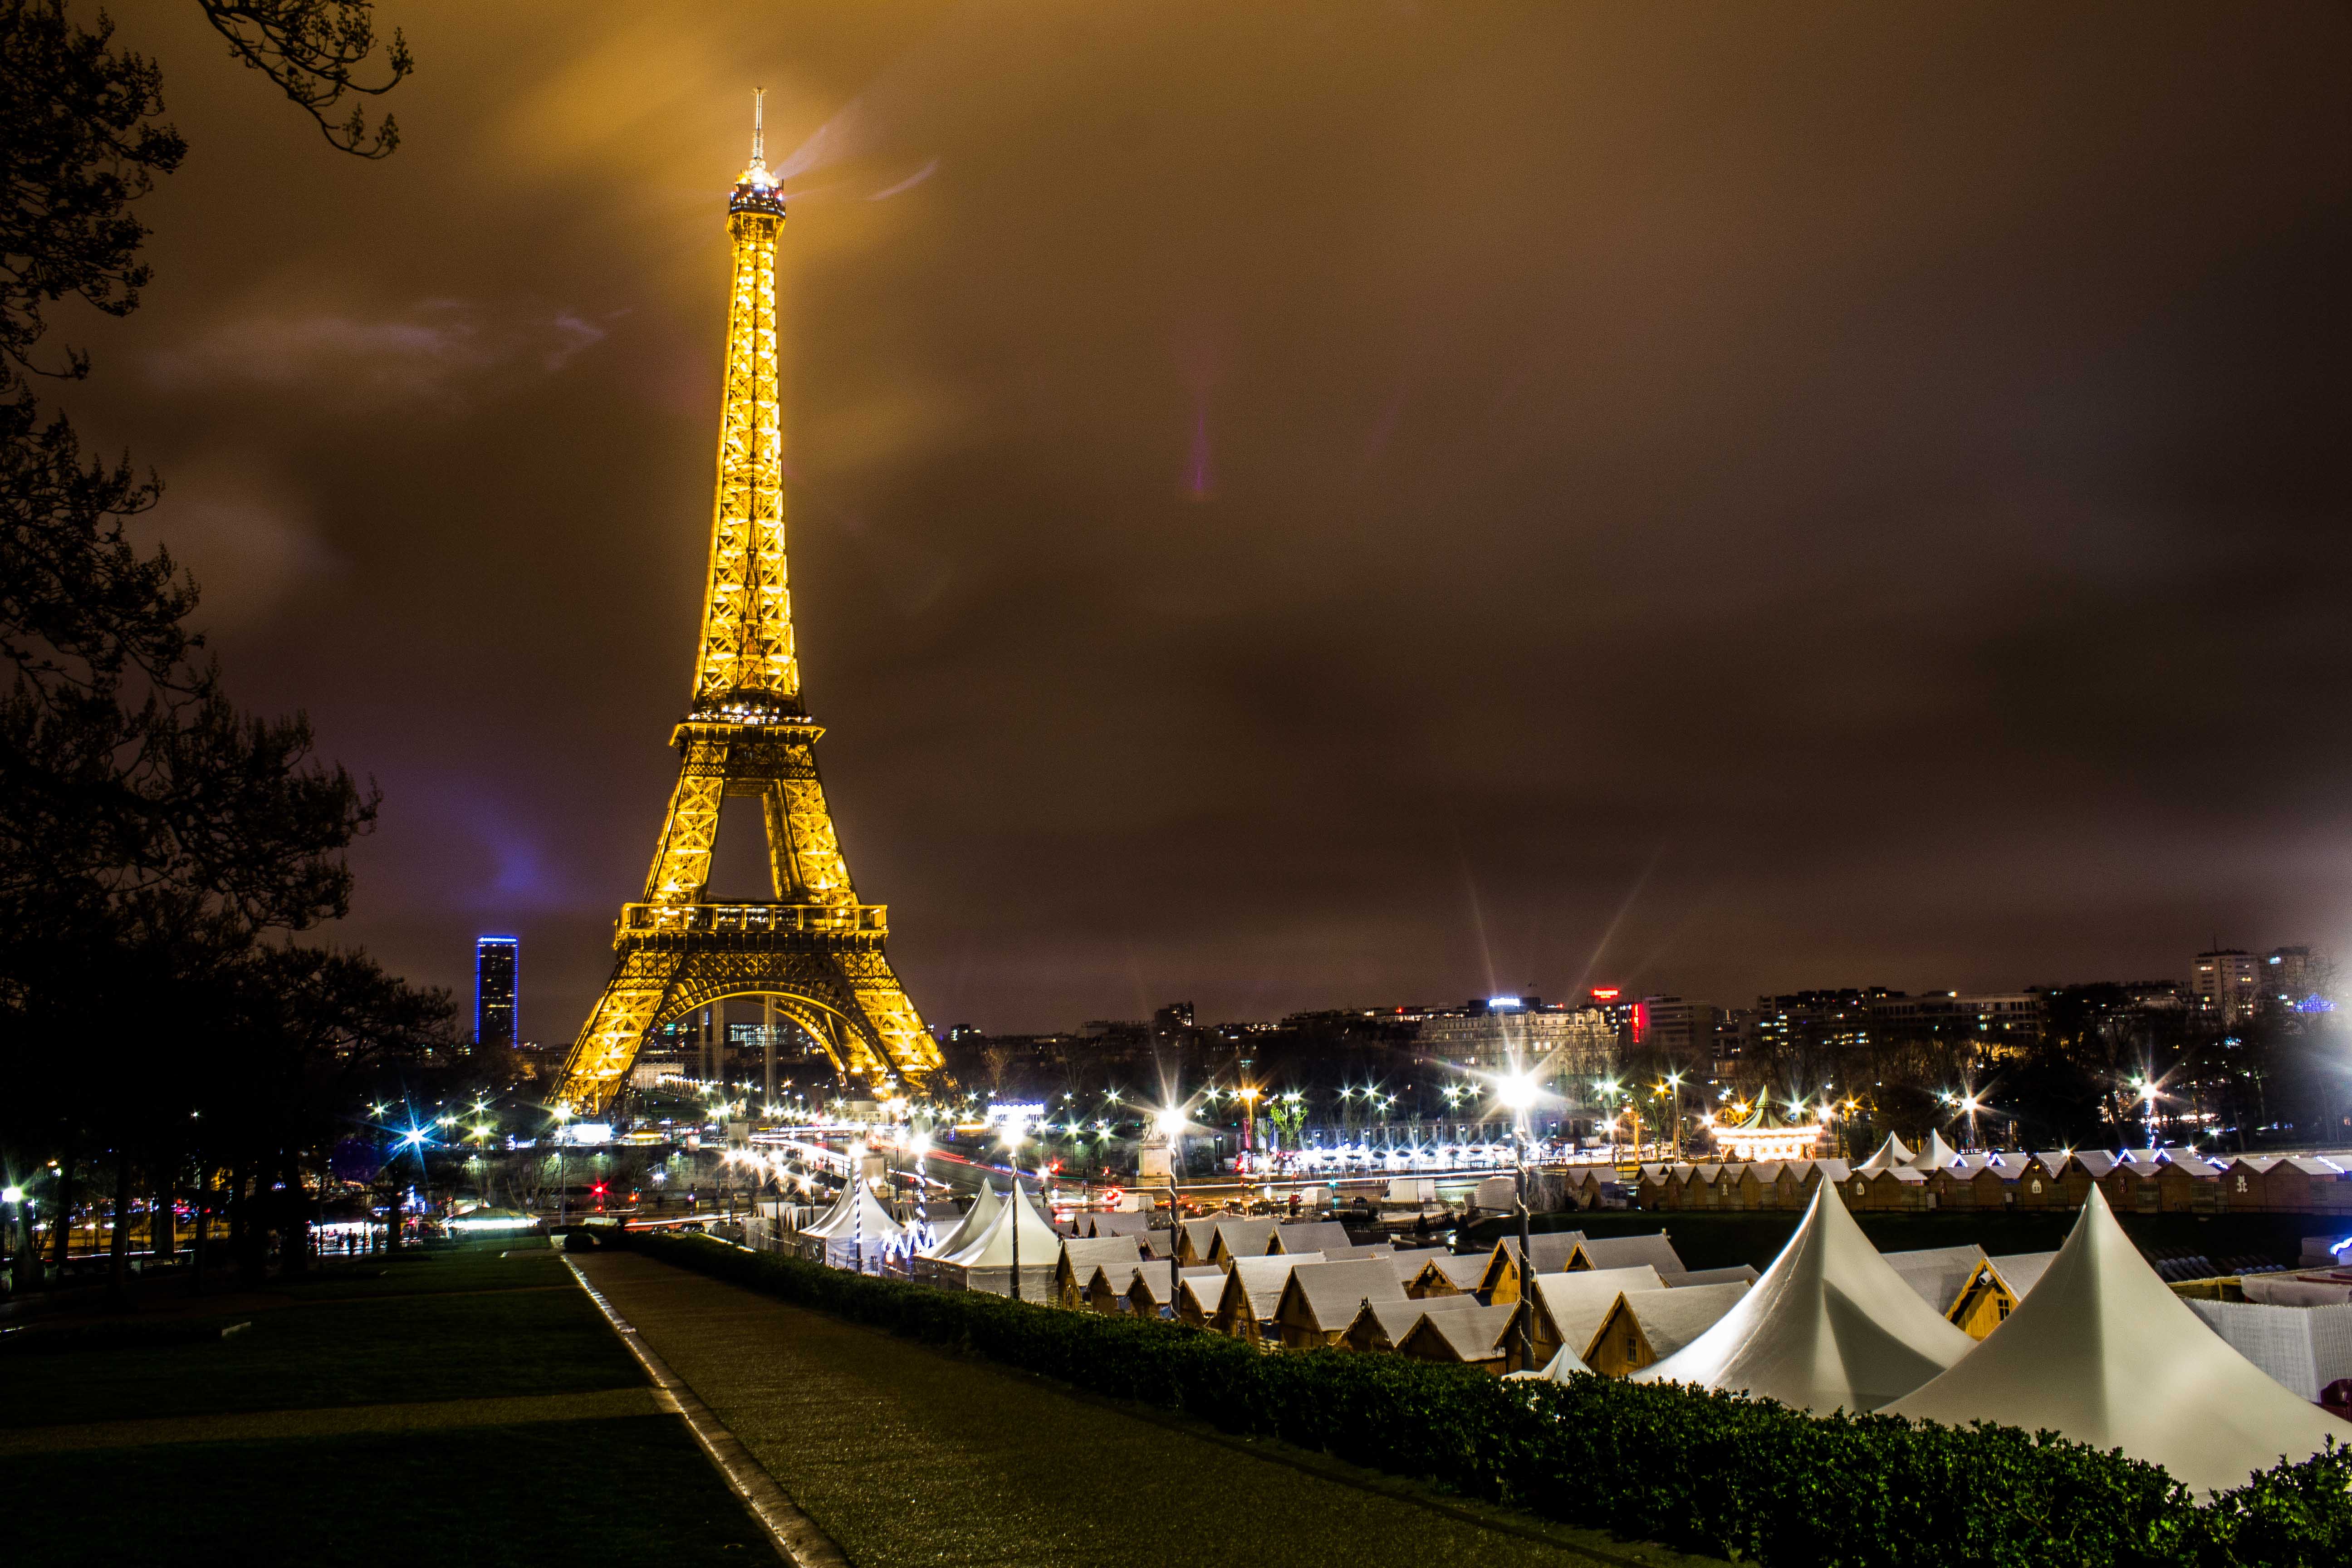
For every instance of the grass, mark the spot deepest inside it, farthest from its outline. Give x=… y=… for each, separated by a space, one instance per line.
x=629 y=1490
x=342 y=1348
x=463 y=1323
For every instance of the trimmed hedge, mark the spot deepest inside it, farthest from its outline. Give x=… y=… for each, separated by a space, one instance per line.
x=1742 y=1478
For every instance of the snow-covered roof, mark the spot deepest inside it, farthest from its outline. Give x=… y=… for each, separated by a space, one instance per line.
x=1081 y=1253
x=1255 y=1283
x=2101 y=1352
x=1239 y=1238
x=1738 y=1273
x=1461 y=1271
x=1670 y=1320
x=1627 y=1252
x=1829 y=1325
x=1107 y=1224
x=1311 y=1236
x=1328 y=1294
x=1548 y=1249
x=1937 y=1273
x=1388 y=1322
x=2021 y=1271
x=1471 y=1335
x=1150 y=1281
x=1575 y=1303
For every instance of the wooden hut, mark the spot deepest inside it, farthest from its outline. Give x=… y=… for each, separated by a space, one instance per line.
x=1447 y=1274
x=1993 y=1290
x=1549 y=1251
x=1625 y=1252
x=1475 y=1336
x=1320 y=1299
x=1380 y=1326
x=1643 y=1327
x=1564 y=1310
x=1074 y=1271
x=1252 y=1291
x=1231 y=1238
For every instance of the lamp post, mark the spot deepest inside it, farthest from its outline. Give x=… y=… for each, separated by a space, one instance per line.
x=1013 y=1134
x=1170 y=1123
x=1518 y=1092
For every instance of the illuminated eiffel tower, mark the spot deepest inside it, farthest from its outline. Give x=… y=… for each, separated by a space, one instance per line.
x=815 y=953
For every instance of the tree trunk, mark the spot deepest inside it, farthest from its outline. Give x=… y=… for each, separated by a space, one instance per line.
x=294 y=1256
x=118 y=1237
x=203 y=1228
x=246 y=1240
x=61 y=1227
x=163 y=1224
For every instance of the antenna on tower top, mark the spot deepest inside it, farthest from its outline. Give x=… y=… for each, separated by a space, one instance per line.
x=759 y=103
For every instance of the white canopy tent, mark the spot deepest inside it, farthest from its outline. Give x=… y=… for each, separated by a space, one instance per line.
x=857 y=1230
x=1933 y=1154
x=2101 y=1350
x=1891 y=1154
x=985 y=1262
x=1560 y=1369
x=1829 y=1325
x=975 y=1221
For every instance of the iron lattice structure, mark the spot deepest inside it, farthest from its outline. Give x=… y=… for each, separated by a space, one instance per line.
x=816 y=951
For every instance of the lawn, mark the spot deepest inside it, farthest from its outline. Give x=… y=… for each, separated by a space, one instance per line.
x=472 y=1322
x=460 y=1327
x=629 y=1490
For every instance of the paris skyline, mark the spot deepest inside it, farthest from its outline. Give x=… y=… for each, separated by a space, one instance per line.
x=1498 y=511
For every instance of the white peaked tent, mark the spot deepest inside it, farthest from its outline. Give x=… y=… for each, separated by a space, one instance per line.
x=976 y=1220
x=1560 y=1369
x=1933 y=1154
x=2101 y=1351
x=1891 y=1154
x=1829 y=1325
x=1041 y=1244
x=857 y=1230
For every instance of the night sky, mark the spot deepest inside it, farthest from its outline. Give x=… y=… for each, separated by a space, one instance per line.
x=1319 y=504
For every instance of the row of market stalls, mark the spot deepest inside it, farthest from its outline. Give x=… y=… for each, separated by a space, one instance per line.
x=2097 y=1348
x=1937 y=1176
x=2086 y=1341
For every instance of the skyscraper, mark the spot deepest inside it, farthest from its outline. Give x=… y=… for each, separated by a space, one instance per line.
x=497 y=964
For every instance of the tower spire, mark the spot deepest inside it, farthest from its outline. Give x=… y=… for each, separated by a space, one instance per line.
x=759 y=102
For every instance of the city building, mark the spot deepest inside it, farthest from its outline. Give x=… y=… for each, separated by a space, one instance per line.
x=2228 y=982
x=2295 y=980
x=497 y=964
x=1680 y=1030
x=1500 y=1033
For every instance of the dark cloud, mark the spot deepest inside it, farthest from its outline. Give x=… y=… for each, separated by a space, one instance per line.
x=1319 y=503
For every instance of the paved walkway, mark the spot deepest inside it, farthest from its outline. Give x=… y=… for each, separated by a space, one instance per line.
x=904 y=1455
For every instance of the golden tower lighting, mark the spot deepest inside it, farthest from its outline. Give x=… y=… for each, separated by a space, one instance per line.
x=815 y=952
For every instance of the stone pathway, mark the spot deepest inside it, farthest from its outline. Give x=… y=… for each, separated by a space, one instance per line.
x=904 y=1455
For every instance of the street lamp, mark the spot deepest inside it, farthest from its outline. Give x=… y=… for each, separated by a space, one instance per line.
x=1517 y=1091
x=1170 y=1123
x=1013 y=1137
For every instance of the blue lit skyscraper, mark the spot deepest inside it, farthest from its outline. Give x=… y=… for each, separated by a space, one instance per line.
x=498 y=967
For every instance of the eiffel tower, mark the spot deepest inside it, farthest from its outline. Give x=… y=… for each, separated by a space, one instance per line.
x=815 y=953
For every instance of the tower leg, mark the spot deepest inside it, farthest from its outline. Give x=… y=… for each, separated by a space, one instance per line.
x=768 y=1050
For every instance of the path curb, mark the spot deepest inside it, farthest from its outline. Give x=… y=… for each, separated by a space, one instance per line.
x=795 y=1536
